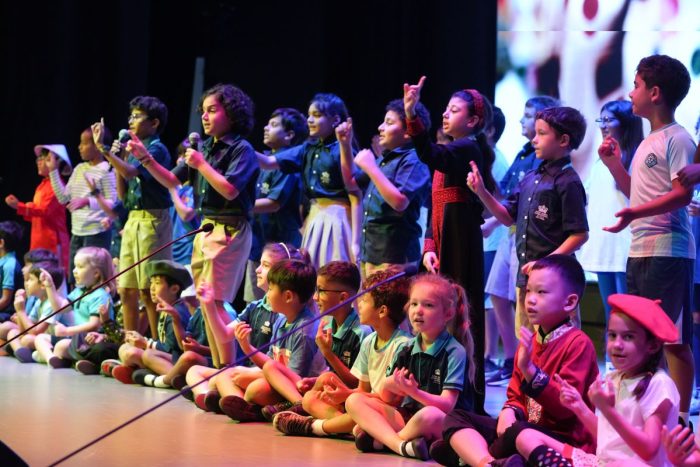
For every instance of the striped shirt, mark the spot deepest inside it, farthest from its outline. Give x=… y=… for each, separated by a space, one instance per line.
x=86 y=220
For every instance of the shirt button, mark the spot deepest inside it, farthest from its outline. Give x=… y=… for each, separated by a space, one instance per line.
x=365 y=213
x=316 y=156
x=537 y=181
x=369 y=195
x=529 y=199
x=313 y=172
x=522 y=254
x=523 y=236
x=525 y=217
x=363 y=230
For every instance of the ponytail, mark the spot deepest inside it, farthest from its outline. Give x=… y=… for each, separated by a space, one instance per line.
x=460 y=327
x=649 y=369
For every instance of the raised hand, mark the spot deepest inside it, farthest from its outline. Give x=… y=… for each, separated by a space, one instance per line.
x=46 y=280
x=50 y=161
x=136 y=147
x=679 y=443
x=624 y=217
x=411 y=96
x=602 y=394
x=12 y=201
x=205 y=293
x=194 y=158
x=77 y=203
x=365 y=160
x=344 y=132
x=568 y=395
x=20 y=299
x=474 y=180
x=324 y=338
x=98 y=130
x=609 y=151
x=525 y=351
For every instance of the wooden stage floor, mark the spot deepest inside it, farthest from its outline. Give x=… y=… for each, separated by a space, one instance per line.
x=47 y=414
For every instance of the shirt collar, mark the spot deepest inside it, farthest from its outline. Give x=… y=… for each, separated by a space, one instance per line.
x=564 y=327
x=227 y=140
x=554 y=167
x=396 y=152
x=434 y=348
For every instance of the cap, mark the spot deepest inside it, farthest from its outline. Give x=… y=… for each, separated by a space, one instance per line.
x=171 y=269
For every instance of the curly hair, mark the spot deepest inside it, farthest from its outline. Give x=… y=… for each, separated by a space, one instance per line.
x=238 y=106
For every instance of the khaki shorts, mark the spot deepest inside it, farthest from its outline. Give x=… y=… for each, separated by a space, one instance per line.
x=219 y=257
x=144 y=232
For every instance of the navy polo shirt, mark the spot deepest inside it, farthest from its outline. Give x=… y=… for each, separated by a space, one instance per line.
x=390 y=236
x=234 y=158
x=167 y=340
x=319 y=164
x=298 y=350
x=524 y=162
x=548 y=206
x=144 y=191
x=441 y=366
x=261 y=319
x=348 y=337
x=283 y=225
x=196 y=327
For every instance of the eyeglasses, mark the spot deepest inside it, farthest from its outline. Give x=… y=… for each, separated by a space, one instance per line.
x=319 y=290
x=133 y=117
x=603 y=121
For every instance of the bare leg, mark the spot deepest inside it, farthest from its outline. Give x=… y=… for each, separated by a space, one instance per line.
x=198 y=373
x=157 y=361
x=44 y=346
x=529 y=439
x=186 y=361
x=151 y=311
x=505 y=316
x=380 y=420
x=260 y=392
x=282 y=380
x=130 y=308
x=470 y=446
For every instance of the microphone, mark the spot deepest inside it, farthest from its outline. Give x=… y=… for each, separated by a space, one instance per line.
x=407 y=272
x=123 y=138
x=194 y=140
x=208 y=227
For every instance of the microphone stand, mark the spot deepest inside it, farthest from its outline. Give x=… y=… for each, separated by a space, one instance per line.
x=204 y=228
x=409 y=271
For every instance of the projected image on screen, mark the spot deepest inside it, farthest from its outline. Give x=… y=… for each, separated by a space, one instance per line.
x=585 y=52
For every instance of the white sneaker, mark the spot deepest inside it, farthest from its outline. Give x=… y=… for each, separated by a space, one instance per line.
x=36 y=356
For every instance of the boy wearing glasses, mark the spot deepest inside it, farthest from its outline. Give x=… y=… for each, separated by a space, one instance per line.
x=148 y=226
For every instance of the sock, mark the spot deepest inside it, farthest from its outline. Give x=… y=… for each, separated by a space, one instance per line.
x=148 y=379
x=159 y=382
x=407 y=447
x=685 y=416
x=317 y=428
x=542 y=455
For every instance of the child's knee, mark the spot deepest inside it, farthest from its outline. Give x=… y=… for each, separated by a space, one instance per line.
x=354 y=401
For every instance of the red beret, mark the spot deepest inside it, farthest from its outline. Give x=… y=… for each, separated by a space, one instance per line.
x=648 y=313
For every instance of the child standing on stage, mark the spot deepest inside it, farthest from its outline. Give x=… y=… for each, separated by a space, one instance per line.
x=549 y=205
x=660 y=263
x=331 y=230
x=93 y=265
x=338 y=338
x=554 y=288
x=277 y=195
x=430 y=376
x=383 y=310
x=395 y=187
x=148 y=226
x=634 y=402
x=453 y=243
x=224 y=176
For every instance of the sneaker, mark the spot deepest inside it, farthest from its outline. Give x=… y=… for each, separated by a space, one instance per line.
x=502 y=376
x=269 y=411
x=199 y=402
x=36 y=356
x=365 y=443
x=490 y=366
x=140 y=376
x=293 y=424
x=108 y=365
x=516 y=460
x=419 y=447
x=442 y=453
x=239 y=409
x=58 y=362
x=211 y=401
x=6 y=351
x=123 y=374
x=178 y=382
x=24 y=355
x=86 y=367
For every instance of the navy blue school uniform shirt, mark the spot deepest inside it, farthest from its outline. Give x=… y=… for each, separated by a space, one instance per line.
x=390 y=236
x=167 y=340
x=261 y=319
x=319 y=164
x=234 y=158
x=283 y=225
x=347 y=338
x=524 y=162
x=548 y=206
x=443 y=365
x=144 y=191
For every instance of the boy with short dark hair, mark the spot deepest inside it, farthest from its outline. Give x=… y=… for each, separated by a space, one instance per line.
x=660 y=264
x=549 y=204
x=10 y=269
x=554 y=288
x=148 y=226
x=338 y=338
x=168 y=280
x=291 y=285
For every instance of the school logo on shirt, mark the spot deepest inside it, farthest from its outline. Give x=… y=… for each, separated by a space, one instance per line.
x=265 y=188
x=265 y=328
x=325 y=178
x=435 y=378
x=651 y=160
x=542 y=213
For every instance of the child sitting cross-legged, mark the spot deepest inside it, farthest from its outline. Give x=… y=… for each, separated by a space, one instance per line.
x=383 y=310
x=338 y=337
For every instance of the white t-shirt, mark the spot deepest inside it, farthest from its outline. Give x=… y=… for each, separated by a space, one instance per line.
x=372 y=363
x=611 y=447
x=604 y=251
x=656 y=164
